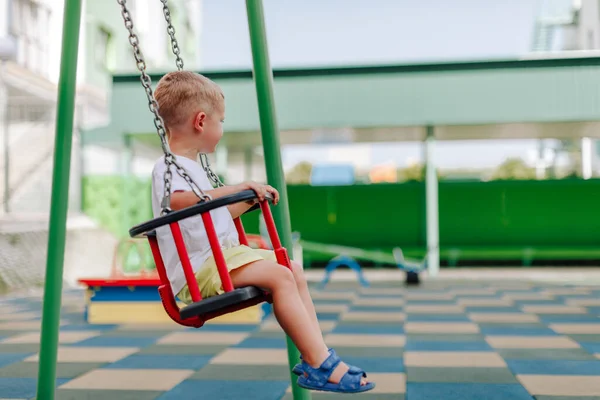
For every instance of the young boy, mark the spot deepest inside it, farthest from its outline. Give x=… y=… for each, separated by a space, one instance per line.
x=193 y=109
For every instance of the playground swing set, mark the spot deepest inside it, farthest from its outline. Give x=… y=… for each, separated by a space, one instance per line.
x=200 y=310
x=234 y=299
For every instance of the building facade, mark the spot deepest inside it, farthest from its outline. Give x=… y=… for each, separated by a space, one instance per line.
x=30 y=48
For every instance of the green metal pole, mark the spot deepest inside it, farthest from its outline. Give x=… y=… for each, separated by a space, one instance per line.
x=263 y=78
x=59 y=201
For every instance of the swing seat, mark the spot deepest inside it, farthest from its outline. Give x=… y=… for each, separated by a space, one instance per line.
x=202 y=310
x=223 y=302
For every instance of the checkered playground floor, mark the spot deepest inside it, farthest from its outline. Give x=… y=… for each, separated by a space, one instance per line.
x=446 y=339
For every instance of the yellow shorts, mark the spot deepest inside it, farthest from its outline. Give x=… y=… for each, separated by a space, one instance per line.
x=208 y=278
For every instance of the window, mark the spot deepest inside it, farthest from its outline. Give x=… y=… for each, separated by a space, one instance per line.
x=29 y=25
x=103 y=48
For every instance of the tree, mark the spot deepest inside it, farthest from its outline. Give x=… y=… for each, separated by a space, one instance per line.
x=299 y=174
x=412 y=173
x=513 y=168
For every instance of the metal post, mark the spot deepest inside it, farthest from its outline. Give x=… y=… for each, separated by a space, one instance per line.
x=587 y=157
x=60 y=196
x=432 y=206
x=4 y=109
x=222 y=159
x=248 y=155
x=263 y=78
x=127 y=160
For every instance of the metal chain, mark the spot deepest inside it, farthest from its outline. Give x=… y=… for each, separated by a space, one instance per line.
x=171 y=32
x=170 y=159
x=214 y=178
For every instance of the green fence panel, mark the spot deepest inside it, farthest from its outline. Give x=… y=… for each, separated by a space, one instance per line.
x=496 y=220
x=520 y=213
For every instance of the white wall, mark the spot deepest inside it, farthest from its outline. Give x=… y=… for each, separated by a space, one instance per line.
x=3 y=18
x=589 y=25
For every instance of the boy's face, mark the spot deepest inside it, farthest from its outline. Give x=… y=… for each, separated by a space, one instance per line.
x=212 y=129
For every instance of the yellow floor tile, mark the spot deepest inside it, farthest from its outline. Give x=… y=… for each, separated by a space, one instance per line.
x=90 y=354
x=453 y=359
x=561 y=385
x=251 y=357
x=531 y=342
x=129 y=379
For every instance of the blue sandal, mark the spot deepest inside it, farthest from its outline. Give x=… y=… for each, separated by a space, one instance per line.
x=297 y=370
x=317 y=378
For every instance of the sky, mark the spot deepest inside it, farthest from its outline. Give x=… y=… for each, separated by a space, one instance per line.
x=330 y=32
x=362 y=32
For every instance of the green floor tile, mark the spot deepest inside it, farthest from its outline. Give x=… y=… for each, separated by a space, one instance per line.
x=585 y=338
x=545 y=354
x=19 y=347
x=87 y=394
x=200 y=349
x=268 y=334
x=63 y=370
x=460 y=375
x=243 y=373
x=8 y=333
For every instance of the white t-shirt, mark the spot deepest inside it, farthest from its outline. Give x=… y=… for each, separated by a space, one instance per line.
x=192 y=228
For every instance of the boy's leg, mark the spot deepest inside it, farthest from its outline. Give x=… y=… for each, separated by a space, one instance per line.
x=289 y=310
x=305 y=294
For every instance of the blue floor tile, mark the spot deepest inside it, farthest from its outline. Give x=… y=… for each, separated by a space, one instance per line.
x=10 y=358
x=554 y=367
x=160 y=361
x=437 y=318
x=21 y=387
x=117 y=341
x=247 y=390
x=378 y=329
x=515 y=330
x=262 y=343
x=591 y=347
x=594 y=310
x=376 y=365
x=466 y=391
x=432 y=345
x=332 y=301
x=328 y=316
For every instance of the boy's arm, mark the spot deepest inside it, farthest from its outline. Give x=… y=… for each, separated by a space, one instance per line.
x=187 y=198
x=238 y=209
x=183 y=199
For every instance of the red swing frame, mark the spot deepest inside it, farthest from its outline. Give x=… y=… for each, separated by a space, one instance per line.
x=166 y=294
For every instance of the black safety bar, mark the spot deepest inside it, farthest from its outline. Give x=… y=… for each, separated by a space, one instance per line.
x=199 y=208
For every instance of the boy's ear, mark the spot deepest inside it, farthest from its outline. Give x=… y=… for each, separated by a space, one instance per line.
x=199 y=121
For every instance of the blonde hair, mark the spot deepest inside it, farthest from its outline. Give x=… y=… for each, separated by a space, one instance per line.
x=181 y=93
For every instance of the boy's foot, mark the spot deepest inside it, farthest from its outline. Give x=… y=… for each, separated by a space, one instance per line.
x=338 y=372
